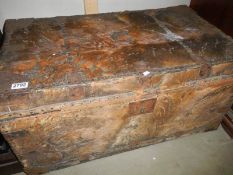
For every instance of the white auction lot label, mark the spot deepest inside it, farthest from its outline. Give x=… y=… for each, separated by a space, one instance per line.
x=21 y=85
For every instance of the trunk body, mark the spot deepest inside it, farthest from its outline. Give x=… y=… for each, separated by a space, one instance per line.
x=101 y=84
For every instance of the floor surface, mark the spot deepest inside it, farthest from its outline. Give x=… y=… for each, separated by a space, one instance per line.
x=209 y=153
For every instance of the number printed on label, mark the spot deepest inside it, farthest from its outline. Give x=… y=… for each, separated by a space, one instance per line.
x=21 y=85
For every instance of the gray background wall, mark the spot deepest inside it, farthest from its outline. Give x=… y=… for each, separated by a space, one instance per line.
x=47 y=8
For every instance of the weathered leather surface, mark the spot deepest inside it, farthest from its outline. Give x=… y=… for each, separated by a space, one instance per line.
x=88 y=95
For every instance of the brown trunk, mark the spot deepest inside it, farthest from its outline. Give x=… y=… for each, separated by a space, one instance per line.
x=92 y=86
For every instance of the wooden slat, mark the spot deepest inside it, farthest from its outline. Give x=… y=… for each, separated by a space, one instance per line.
x=7 y=158
x=91 y=6
x=227 y=122
x=228 y=125
x=1 y=37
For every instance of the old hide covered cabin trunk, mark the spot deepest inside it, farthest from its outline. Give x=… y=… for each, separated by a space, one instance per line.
x=92 y=86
